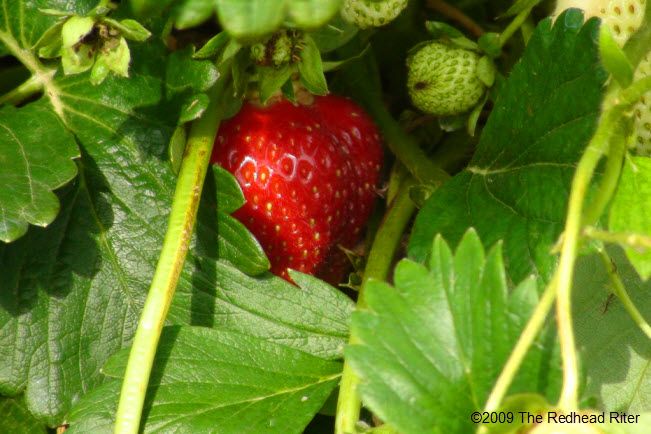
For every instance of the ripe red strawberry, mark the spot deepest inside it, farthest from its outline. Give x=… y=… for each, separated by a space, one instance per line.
x=308 y=173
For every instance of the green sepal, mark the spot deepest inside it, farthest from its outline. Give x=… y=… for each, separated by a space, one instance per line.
x=486 y=71
x=311 y=69
x=473 y=117
x=74 y=30
x=288 y=91
x=77 y=61
x=272 y=80
x=130 y=29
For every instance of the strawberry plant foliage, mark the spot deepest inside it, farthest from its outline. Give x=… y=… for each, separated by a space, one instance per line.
x=432 y=346
x=516 y=186
x=211 y=374
x=108 y=115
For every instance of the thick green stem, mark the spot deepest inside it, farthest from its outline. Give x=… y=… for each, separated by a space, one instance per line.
x=175 y=246
x=30 y=87
x=620 y=291
x=378 y=265
x=513 y=26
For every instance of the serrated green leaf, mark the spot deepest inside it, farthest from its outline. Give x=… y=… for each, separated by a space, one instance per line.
x=516 y=186
x=36 y=157
x=202 y=377
x=630 y=211
x=615 y=354
x=311 y=69
x=15 y=418
x=432 y=347
x=199 y=75
x=272 y=80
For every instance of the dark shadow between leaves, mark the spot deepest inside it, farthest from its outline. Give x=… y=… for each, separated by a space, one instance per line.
x=606 y=334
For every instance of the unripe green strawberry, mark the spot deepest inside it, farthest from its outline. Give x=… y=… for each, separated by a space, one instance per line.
x=623 y=17
x=642 y=143
x=442 y=80
x=372 y=13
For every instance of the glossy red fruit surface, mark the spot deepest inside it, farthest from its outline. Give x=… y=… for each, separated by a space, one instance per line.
x=308 y=173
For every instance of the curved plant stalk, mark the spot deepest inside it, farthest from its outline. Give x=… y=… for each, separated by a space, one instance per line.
x=378 y=265
x=615 y=110
x=518 y=21
x=620 y=291
x=170 y=263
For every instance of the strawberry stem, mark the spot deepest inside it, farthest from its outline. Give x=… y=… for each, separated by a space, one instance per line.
x=378 y=265
x=170 y=263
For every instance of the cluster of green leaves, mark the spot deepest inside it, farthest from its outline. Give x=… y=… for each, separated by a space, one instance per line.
x=87 y=165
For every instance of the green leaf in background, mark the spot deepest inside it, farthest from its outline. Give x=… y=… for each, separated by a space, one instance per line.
x=207 y=380
x=516 y=186
x=334 y=34
x=70 y=294
x=36 y=157
x=630 y=211
x=253 y=19
x=432 y=346
x=16 y=419
x=615 y=354
x=191 y=13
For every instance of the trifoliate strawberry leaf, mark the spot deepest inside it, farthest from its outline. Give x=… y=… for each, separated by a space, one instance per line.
x=615 y=353
x=630 y=211
x=15 y=418
x=432 y=346
x=70 y=294
x=516 y=186
x=36 y=156
x=215 y=374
